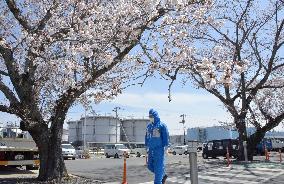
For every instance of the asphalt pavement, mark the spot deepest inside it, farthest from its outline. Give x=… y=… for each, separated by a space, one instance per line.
x=210 y=171
x=111 y=170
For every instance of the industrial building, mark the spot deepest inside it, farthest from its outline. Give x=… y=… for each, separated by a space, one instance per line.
x=176 y=140
x=100 y=130
x=133 y=130
x=222 y=132
x=210 y=133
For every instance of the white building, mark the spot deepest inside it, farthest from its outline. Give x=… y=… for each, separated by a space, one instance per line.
x=65 y=135
x=106 y=129
x=177 y=140
x=223 y=132
x=133 y=130
x=210 y=133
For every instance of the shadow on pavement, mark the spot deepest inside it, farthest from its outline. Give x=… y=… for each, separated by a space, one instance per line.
x=5 y=170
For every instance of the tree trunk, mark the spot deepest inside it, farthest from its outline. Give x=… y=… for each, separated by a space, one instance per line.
x=254 y=139
x=241 y=127
x=48 y=140
x=250 y=151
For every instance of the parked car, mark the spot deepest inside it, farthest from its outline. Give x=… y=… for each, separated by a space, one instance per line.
x=68 y=151
x=260 y=147
x=180 y=150
x=277 y=144
x=115 y=150
x=217 y=148
x=139 y=149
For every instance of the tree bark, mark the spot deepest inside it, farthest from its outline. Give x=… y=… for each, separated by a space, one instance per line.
x=48 y=140
x=241 y=127
x=254 y=139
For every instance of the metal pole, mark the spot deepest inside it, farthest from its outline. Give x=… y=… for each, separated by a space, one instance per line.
x=183 y=136
x=116 y=115
x=85 y=129
x=183 y=122
x=115 y=110
x=245 y=150
x=85 y=121
x=192 y=148
x=193 y=168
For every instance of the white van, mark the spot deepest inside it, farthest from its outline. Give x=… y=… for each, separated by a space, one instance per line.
x=68 y=151
x=139 y=149
x=115 y=150
x=277 y=144
x=179 y=150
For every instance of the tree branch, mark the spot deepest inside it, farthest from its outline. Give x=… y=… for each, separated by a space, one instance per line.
x=173 y=78
x=278 y=66
x=47 y=16
x=67 y=99
x=256 y=52
x=4 y=108
x=11 y=65
x=223 y=34
x=8 y=93
x=17 y=14
x=270 y=63
x=4 y=73
x=254 y=121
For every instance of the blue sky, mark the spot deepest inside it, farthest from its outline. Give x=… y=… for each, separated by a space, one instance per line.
x=201 y=108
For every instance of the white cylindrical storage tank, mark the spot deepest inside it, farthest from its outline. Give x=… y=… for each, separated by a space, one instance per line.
x=75 y=131
x=135 y=129
x=127 y=131
x=106 y=129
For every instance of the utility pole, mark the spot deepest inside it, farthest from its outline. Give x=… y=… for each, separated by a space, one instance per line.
x=183 y=122
x=116 y=115
x=85 y=118
x=85 y=121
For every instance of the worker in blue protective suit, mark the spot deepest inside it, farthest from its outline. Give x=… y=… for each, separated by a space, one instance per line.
x=156 y=141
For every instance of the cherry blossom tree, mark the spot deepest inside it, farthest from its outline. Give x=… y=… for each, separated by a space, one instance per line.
x=267 y=110
x=52 y=52
x=234 y=58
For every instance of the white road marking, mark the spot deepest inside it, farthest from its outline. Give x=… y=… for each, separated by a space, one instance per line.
x=229 y=180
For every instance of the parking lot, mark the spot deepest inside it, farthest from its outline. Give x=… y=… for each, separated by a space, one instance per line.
x=110 y=170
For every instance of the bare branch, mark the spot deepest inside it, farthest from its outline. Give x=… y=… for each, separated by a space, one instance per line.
x=173 y=78
x=278 y=66
x=224 y=35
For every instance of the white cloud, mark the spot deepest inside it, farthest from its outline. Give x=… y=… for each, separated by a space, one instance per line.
x=160 y=100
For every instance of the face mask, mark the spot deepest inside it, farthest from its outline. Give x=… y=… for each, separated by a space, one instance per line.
x=151 y=120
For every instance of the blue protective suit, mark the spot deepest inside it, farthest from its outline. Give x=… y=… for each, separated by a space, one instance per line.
x=156 y=140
